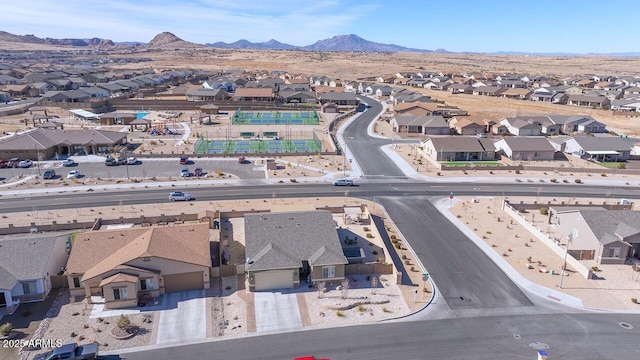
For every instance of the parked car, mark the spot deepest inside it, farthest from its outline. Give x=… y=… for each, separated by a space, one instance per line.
x=71 y=351
x=185 y=172
x=25 y=163
x=73 y=174
x=132 y=161
x=13 y=162
x=109 y=161
x=121 y=160
x=343 y=182
x=179 y=196
x=184 y=160
x=4 y=163
x=49 y=174
x=68 y=162
x=198 y=172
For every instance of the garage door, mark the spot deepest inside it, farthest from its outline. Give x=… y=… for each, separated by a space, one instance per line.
x=274 y=279
x=183 y=282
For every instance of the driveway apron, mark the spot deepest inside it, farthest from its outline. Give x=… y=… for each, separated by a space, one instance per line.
x=276 y=311
x=184 y=320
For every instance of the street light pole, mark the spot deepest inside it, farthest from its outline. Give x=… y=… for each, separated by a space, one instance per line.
x=344 y=159
x=574 y=233
x=126 y=162
x=35 y=146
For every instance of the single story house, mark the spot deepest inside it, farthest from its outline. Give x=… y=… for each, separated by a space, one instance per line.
x=596 y=102
x=206 y=95
x=516 y=93
x=118 y=266
x=459 y=148
x=526 y=148
x=301 y=97
x=283 y=249
x=604 y=149
x=522 y=126
x=413 y=124
x=488 y=90
x=338 y=98
x=607 y=236
x=47 y=143
x=464 y=126
x=26 y=268
x=254 y=94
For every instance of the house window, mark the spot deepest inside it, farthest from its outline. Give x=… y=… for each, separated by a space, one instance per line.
x=76 y=282
x=614 y=252
x=29 y=288
x=537 y=155
x=120 y=293
x=146 y=284
x=328 y=272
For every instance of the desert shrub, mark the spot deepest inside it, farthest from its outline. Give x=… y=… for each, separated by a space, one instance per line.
x=369 y=236
x=293 y=180
x=622 y=166
x=384 y=309
x=339 y=313
x=544 y=211
x=578 y=181
x=603 y=175
x=5 y=329
x=634 y=300
x=361 y=308
x=123 y=322
x=381 y=260
x=517 y=171
x=393 y=236
x=554 y=180
x=565 y=181
x=397 y=246
x=365 y=228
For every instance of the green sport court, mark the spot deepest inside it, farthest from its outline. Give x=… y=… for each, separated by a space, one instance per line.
x=258 y=146
x=275 y=118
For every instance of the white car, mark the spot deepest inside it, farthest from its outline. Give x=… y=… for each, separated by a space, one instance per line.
x=185 y=172
x=132 y=161
x=179 y=196
x=25 y=163
x=73 y=174
x=68 y=162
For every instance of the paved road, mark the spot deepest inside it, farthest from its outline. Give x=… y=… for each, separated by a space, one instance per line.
x=466 y=278
x=514 y=337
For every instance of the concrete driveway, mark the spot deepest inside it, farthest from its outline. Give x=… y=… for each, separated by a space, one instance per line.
x=276 y=311
x=184 y=319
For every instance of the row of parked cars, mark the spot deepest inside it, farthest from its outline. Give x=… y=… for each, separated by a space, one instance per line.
x=16 y=163
x=110 y=161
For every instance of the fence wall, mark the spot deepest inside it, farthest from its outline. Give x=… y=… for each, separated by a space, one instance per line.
x=558 y=250
x=368 y=269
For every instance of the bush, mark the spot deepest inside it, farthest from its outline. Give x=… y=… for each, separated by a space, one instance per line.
x=554 y=180
x=578 y=181
x=365 y=228
x=5 y=329
x=622 y=166
x=594 y=268
x=361 y=308
x=517 y=171
x=603 y=175
x=339 y=313
x=544 y=211
x=634 y=300
x=384 y=309
x=381 y=260
x=123 y=322
x=293 y=180
x=369 y=236
x=398 y=246
x=393 y=236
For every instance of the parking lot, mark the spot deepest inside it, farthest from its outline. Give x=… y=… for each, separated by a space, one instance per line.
x=145 y=168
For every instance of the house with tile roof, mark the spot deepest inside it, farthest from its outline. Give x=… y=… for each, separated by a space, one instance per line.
x=287 y=248
x=118 y=266
x=26 y=268
x=606 y=236
x=416 y=124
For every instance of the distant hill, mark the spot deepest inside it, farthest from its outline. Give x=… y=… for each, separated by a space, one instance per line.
x=246 y=44
x=169 y=40
x=353 y=42
x=32 y=39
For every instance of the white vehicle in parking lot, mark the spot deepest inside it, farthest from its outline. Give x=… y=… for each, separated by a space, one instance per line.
x=73 y=174
x=185 y=172
x=25 y=163
x=132 y=161
x=179 y=196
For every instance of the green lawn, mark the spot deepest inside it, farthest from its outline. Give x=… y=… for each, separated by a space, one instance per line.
x=471 y=163
x=611 y=165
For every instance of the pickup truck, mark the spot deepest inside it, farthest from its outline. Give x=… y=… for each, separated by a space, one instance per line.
x=72 y=351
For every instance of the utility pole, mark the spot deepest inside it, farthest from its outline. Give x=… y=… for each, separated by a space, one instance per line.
x=35 y=146
x=573 y=235
x=344 y=159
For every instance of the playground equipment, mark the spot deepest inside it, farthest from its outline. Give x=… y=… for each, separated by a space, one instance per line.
x=161 y=129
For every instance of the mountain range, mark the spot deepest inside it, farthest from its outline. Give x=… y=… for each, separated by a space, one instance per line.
x=350 y=42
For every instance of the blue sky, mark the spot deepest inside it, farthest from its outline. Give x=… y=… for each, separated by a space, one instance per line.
x=576 y=26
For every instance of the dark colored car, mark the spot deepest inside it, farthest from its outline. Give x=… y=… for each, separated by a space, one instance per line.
x=49 y=174
x=198 y=172
x=121 y=160
x=109 y=161
x=184 y=160
x=13 y=162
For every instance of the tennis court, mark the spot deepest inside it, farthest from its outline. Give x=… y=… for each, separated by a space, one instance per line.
x=275 y=118
x=258 y=146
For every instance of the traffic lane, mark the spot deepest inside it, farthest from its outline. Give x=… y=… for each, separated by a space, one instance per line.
x=579 y=336
x=366 y=149
x=369 y=190
x=465 y=276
